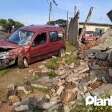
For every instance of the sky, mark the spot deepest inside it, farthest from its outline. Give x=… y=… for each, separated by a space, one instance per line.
x=36 y=11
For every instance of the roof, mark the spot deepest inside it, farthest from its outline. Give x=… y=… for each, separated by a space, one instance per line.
x=97 y=24
x=35 y=28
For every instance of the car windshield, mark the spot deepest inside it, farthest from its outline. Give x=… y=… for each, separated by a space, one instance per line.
x=21 y=37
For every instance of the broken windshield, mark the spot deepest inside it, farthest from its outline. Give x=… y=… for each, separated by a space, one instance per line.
x=21 y=37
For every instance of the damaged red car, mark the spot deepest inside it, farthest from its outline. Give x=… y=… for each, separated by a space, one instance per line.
x=30 y=44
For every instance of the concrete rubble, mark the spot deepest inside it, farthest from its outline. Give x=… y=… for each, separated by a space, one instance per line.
x=63 y=90
x=100 y=58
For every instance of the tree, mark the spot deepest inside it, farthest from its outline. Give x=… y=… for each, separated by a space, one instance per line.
x=10 y=22
x=3 y=23
x=18 y=24
x=60 y=22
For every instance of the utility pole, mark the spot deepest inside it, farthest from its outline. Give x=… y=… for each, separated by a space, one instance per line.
x=50 y=9
x=67 y=26
x=75 y=10
x=51 y=2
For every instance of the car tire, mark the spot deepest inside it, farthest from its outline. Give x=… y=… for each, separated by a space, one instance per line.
x=61 y=52
x=23 y=63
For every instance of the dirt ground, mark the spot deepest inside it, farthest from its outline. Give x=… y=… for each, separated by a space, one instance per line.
x=14 y=75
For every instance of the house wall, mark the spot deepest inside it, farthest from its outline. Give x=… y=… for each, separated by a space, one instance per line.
x=1 y=28
x=95 y=27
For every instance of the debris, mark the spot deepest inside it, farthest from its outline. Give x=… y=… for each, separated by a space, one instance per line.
x=22 y=88
x=12 y=94
x=39 y=86
x=21 y=108
x=59 y=91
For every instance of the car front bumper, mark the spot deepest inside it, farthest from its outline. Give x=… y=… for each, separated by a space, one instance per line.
x=6 y=62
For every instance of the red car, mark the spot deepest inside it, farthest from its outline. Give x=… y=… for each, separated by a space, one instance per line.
x=30 y=44
x=90 y=36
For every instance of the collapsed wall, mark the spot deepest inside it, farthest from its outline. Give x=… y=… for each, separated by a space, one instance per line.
x=100 y=58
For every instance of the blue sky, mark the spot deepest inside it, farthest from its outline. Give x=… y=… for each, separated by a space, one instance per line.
x=36 y=11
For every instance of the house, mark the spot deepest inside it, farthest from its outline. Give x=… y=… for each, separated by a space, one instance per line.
x=96 y=27
x=1 y=28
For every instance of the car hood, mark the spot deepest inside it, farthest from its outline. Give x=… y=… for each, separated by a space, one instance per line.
x=7 y=44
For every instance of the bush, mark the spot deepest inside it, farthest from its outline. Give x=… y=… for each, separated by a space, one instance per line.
x=53 y=63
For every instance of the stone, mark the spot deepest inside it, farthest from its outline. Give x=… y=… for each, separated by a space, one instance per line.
x=13 y=99
x=68 y=53
x=22 y=88
x=39 y=86
x=72 y=65
x=60 y=90
x=21 y=108
x=31 y=71
x=69 y=94
x=54 y=57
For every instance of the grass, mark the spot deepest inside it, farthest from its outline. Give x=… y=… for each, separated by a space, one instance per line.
x=69 y=59
x=53 y=63
x=43 y=90
x=52 y=74
x=4 y=71
x=69 y=47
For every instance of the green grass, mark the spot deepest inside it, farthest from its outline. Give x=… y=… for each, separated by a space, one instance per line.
x=53 y=63
x=43 y=90
x=69 y=47
x=4 y=71
x=69 y=59
x=52 y=74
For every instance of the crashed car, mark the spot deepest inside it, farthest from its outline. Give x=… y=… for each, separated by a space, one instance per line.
x=30 y=44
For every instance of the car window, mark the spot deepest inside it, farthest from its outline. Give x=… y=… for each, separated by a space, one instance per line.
x=40 y=39
x=54 y=36
x=21 y=37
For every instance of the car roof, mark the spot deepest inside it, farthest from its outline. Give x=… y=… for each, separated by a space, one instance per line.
x=37 y=28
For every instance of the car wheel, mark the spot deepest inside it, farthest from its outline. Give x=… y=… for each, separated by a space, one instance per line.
x=61 y=52
x=23 y=63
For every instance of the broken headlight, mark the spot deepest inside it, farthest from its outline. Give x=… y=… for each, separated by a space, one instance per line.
x=4 y=55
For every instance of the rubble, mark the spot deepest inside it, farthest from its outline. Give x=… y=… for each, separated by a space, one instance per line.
x=72 y=84
x=63 y=90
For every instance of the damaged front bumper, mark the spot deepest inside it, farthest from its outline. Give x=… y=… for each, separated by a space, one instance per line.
x=7 y=58
x=6 y=62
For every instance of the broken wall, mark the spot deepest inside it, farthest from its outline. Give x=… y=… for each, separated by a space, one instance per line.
x=73 y=30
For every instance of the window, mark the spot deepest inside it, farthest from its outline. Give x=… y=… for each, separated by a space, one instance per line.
x=53 y=36
x=21 y=37
x=40 y=39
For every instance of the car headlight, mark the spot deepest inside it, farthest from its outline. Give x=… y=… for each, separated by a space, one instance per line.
x=4 y=55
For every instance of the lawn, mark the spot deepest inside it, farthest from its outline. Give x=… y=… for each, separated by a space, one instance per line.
x=3 y=71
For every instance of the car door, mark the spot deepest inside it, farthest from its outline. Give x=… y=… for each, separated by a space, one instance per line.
x=55 y=42
x=39 y=47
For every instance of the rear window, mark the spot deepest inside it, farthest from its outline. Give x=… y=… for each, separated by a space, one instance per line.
x=55 y=36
